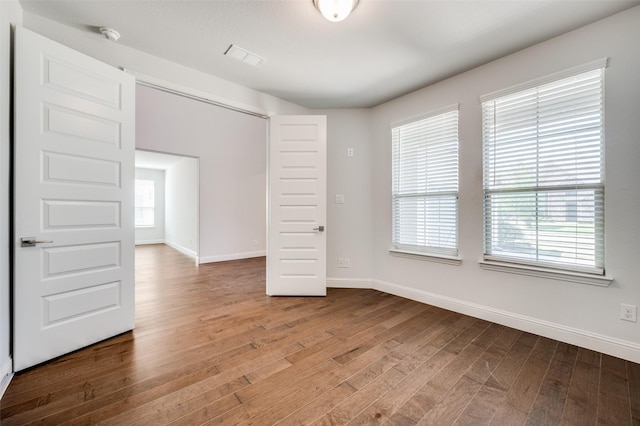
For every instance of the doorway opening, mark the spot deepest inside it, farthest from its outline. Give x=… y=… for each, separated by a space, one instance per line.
x=167 y=201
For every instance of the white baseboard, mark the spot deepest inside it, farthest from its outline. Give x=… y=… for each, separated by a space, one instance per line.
x=182 y=249
x=574 y=336
x=6 y=374
x=232 y=256
x=349 y=283
x=143 y=242
x=597 y=342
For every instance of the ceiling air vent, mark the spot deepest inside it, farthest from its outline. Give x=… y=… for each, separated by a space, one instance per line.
x=243 y=55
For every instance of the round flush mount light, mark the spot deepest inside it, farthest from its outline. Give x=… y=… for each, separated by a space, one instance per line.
x=335 y=10
x=110 y=33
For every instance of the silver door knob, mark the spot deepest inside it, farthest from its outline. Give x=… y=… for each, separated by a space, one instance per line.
x=31 y=242
x=319 y=228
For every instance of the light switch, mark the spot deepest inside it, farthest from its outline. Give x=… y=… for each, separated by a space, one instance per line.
x=339 y=198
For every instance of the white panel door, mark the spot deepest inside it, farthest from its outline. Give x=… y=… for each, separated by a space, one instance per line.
x=296 y=256
x=73 y=195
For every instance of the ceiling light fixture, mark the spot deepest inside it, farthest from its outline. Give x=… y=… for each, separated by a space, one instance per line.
x=335 y=10
x=110 y=33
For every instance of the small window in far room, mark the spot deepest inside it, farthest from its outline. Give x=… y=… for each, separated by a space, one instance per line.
x=145 y=203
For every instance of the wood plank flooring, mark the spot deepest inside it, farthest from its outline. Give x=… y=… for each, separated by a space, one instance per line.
x=211 y=348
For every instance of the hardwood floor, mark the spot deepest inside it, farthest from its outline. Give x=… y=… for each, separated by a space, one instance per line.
x=211 y=348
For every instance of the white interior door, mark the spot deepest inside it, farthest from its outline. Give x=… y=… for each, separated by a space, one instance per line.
x=296 y=256
x=73 y=194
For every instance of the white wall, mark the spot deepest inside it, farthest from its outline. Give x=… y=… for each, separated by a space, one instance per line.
x=181 y=225
x=10 y=14
x=232 y=150
x=154 y=234
x=577 y=313
x=349 y=225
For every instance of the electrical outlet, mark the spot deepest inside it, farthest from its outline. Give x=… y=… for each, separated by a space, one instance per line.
x=339 y=198
x=349 y=152
x=344 y=263
x=628 y=312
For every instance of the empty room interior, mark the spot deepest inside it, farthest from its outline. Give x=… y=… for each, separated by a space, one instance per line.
x=319 y=212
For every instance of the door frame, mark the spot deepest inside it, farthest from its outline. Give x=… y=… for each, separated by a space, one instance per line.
x=307 y=176
x=184 y=250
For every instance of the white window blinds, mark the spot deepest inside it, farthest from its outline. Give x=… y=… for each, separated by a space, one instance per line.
x=543 y=175
x=425 y=184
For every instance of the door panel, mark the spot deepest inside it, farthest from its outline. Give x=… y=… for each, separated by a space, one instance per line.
x=296 y=258
x=58 y=261
x=72 y=169
x=74 y=156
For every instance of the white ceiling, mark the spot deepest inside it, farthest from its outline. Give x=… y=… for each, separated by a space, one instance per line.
x=386 y=48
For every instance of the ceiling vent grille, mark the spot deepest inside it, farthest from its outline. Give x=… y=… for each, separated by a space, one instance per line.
x=243 y=55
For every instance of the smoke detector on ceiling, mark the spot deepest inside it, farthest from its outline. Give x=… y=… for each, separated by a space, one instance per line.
x=110 y=33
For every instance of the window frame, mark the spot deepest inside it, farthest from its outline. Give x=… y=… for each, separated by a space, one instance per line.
x=590 y=275
x=436 y=253
x=151 y=207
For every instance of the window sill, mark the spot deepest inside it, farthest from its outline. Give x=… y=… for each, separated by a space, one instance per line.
x=575 y=277
x=431 y=257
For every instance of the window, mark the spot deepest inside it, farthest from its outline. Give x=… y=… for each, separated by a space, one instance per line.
x=543 y=175
x=425 y=184
x=145 y=203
